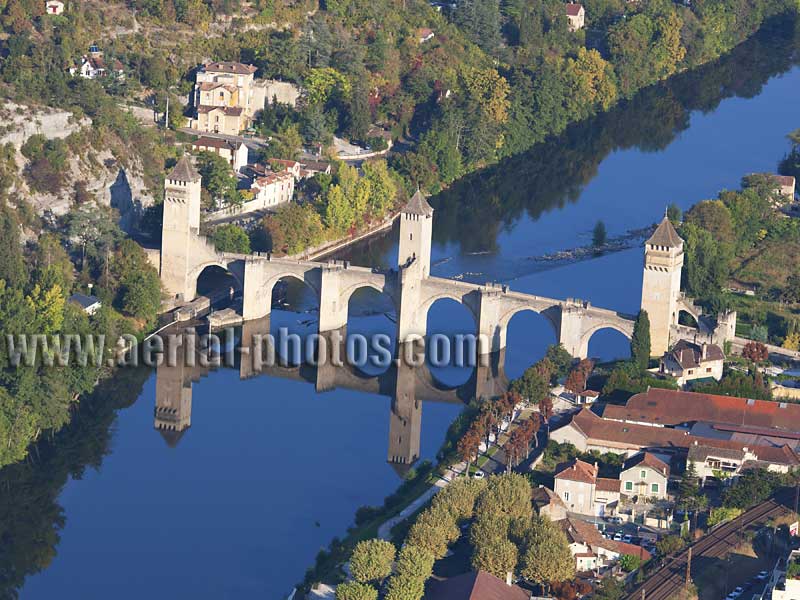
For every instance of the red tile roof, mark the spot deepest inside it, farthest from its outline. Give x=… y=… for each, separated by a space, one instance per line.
x=573 y=9
x=474 y=586
x=630 y=436
x=607 y=485
x=665 y=234
x=670 y=407
x=576 y=470
x=649 y=460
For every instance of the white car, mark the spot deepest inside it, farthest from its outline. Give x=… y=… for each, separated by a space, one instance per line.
x=627 y=538
x=617 y=537
x=479 y=475
x=762 y=576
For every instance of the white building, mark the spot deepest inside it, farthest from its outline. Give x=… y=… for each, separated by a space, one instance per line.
x=272 y=189
x=89 y=304
x=54 y=7
x=688 y=361
x=583 y=492
x=786 y=586
x=644 y=475
x=235 y=152
x=576 y=15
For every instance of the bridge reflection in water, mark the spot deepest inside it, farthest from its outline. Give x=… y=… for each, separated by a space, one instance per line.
x=407 y=385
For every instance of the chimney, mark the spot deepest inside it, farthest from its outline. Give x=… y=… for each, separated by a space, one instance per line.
x=509 y=578
x=703 y=351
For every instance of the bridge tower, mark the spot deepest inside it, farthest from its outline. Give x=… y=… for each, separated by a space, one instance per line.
x=405 y=421
x=414 y=262
x=173 y=411
x=180 y=228
x=661 y=283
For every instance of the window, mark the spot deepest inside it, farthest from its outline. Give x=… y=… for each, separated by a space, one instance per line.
x=566 y=496
x=654 y=488
x=691 y=371
x=643 y=474
x=708 y=369
x=628 y=486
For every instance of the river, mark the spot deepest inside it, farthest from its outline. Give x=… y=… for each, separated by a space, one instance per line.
x=270 y=470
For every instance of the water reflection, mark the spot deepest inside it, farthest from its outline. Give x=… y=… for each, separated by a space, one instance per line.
x=408 y=386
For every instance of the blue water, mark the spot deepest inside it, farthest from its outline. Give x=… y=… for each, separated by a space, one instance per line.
x=270 y=470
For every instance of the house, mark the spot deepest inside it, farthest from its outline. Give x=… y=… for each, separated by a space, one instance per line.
x=786 y=185
x=752 y=422
x=586 y=397
x=576 y=15
x=54 y=7
x=474 y=586
x=309 y=168
x=272 y=189
x=588 y=431
x=92 y=67
x=235 y=152
x=89 y=304
x=290 y=166
x=644 y=475
x=688 y=361
x=224 y=97
x=425 y=35
x=227 y=120
x=728 y=463
x=582 y=491
x=548 y=504
x=591 y=550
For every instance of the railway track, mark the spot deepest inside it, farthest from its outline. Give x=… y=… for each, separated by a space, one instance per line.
x=671 y=577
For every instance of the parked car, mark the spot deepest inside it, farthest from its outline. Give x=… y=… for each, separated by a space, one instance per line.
x=627 y=538
x=618 y=536
x=479 y=475
x=615 y=520
x=762 y=576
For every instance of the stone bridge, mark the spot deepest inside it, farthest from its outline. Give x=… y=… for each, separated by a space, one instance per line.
x=410 y=287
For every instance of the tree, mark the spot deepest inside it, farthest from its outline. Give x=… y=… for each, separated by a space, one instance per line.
x=338 y=211
x=495 y=555
x=560 y=360
x=599 y=235
x=414 y=563
x=459 y=497
x=578 y=376
x=372 y=560
x=534 y=385
x=468 y=447
x=755 y=352
x=629 y=562
x=674 y=214
x=669 y=545
x=354 y=590
x=231 y=238
x=12 y=264
x=640 y=341
x=383 y=187
x=610 y=588
x=433 y=531
x=547 y=558
x=218 y=177
x=508 y=495
x=405 y=588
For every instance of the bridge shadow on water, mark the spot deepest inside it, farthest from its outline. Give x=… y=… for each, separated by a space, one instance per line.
x=328 y=361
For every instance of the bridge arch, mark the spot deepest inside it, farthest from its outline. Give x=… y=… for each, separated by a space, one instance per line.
x=198 y=271
x=527 y=333
x=269 y=286
x=589 y=333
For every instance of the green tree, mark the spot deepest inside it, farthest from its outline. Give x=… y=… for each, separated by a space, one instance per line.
x=414 y=562
x=12 y=264
x=508 y=494
x=218 y=177
x=533 y=385
x=669 y=545
x=434 y=530
x=560 y=359
x=674 y=214
x=610 y=588
x=231 y=238
x=640 y=341
x=629 y=562
x=459 y=497
x=371 y=560
x=405 y=588
x=599 y=235
x=354 y=590
x=383 y=189
x=338 y=211
x=495 y=555
x=547 y=558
